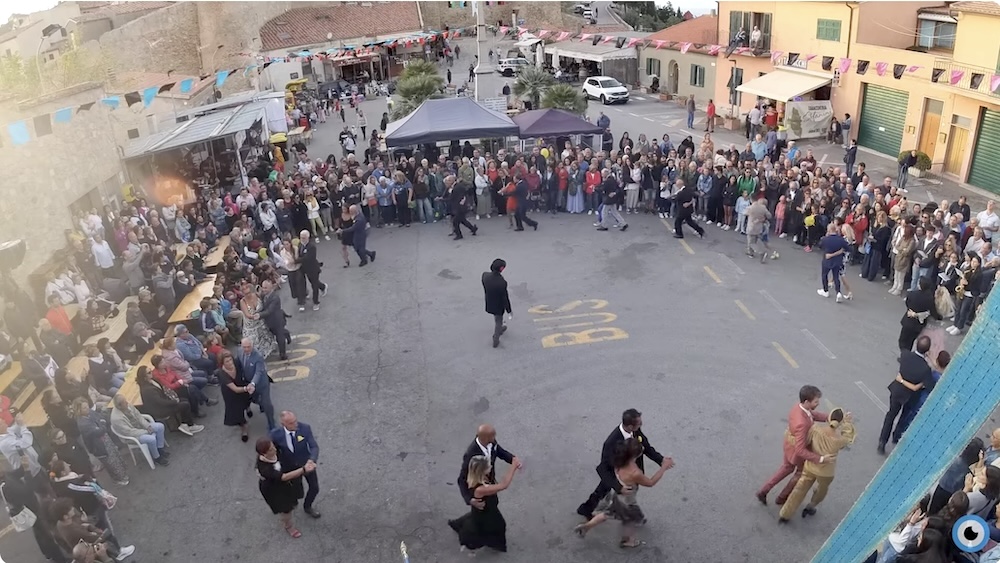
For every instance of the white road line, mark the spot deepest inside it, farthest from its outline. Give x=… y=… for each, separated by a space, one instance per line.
x=878 y=402
x=822 y=161
x=638 y=98
x=773 y=301
x=686 y=131
x=649 y=119
x=818 y=344
x=733 y=264
x=930 y=196
x=634 y=114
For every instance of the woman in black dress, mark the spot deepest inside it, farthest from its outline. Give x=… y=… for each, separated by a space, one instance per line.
x=281 y=491
x=346 y=239
x=486 y=527
x=235 y=397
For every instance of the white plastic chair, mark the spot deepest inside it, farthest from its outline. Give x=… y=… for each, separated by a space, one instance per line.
x=135 y=444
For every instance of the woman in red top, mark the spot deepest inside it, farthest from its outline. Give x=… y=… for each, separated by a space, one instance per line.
x=169 y=379
x=534 y=180
x=57 y=316
x=858 y=220
x=592 y=181
x=491 y=171
x=508 y=192
x=562 y=170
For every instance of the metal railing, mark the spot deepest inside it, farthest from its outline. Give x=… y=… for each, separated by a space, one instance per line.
x=966 y=82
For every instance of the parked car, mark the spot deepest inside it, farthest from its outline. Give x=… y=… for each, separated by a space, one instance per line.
x=606 y=89
x=581 y=8
x=588 y=14
x=510 y=67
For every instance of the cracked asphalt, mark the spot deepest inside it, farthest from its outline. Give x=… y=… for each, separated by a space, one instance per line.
x=404 y=372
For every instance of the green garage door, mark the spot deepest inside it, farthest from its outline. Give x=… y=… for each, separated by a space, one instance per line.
x=985 y=170
x=883 y=116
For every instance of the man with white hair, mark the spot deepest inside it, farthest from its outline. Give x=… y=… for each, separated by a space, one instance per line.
x=310 y=266
x=360 y=231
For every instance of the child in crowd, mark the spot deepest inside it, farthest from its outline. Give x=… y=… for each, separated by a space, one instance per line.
x=779 y=217
x=213 y=344
x=742 y=204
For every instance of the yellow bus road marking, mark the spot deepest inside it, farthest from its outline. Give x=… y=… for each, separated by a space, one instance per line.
x=713 y=275
x=788 y=358
x=745 y=310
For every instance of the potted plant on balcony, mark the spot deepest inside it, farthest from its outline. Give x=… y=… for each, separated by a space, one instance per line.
x=918 y=170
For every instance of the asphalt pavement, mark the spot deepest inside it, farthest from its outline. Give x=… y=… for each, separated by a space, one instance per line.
x=396 y=370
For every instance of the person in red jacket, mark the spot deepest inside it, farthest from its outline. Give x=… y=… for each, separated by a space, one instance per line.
x=169 y=379
x=590 y=186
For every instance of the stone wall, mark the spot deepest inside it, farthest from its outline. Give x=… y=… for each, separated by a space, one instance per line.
x=546 y=15
x=162 y=41
x=45 y=176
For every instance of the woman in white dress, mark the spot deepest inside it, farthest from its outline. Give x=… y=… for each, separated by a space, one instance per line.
x=253 y=327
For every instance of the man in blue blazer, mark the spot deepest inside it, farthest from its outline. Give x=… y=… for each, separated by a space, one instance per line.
x=296 y=447
x=255 y=370
x=360 y=231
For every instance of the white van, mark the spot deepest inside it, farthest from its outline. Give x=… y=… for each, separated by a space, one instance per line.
x=511 y=67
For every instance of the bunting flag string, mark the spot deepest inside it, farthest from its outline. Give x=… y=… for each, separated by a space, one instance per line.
x=20 y=133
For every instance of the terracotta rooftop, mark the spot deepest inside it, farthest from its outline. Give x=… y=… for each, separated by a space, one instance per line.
x=986 y=8
x=300 y=27
x=703 y=30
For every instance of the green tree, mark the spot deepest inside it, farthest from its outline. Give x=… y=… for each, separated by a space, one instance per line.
x=531 y=83
x=414 y=90
x=565 y=97
x=20 y=76
x=418 y=68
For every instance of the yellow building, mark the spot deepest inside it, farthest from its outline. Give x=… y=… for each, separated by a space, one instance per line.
x=896 y=104
x=683 y=74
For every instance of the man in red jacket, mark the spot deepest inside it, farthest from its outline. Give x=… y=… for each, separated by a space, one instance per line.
x=796 y=446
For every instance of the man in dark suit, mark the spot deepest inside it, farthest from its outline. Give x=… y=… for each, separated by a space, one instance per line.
x=919 y=307
x=360 y=230
x=274 y=317
x=914 y=375
x=296 y=448
x=310 y=267
x=255 y=370
x=486 y=445
x=521 y=193
x=458 y=203
x=497 y=298
x=629 y=428
x=684 y=210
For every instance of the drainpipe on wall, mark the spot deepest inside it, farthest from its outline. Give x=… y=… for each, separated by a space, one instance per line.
x=850 y=27
x=420 y=15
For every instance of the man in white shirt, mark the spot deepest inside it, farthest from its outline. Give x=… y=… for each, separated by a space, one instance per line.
x=103 y=256
x=755 y=37
x=989 y=221
x=755 y=121
x=17 y=441
x=62 y=287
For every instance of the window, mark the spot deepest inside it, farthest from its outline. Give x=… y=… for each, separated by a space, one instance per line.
x=936 y=34
x=828 y=30
x=652 y=67
x=698 y=76
x=307 y=68
x=133 y=133
x=735 y=80
x=756 y=27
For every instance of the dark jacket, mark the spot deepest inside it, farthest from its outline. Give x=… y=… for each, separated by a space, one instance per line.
x=271 y=313
x=472 y=451
x=359 y=229
x=307 y=258
x=919 y=302
x=155 y=401
x=616 y=440
x=305 y=447
x=497 y=298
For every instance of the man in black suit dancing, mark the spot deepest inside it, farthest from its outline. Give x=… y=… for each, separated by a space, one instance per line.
x=486 y=445
x=497 y=298
x=274 y=317
x=629 y=428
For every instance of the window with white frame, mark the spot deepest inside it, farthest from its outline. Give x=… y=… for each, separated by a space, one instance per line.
x=652 y=67
x=698 y=76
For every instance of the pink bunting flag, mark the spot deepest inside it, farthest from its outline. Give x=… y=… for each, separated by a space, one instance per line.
x=631 y=42
x=845 y=65
x=714 y=49
x=994 y=82
x=586 y=36
x=503 y=29
x=659 y=43
x=810 y=57
x=542 y=33
x=880 y=68
x=609 y=39
x=685 y=46
x=563 y=36
x=914 y=68
x=956 y=76
x=775 y=55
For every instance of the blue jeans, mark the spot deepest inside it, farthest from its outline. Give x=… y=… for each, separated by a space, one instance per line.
x=827 y=270
x=205 y=365
x=199 y=379
x=690 y=120
x=425 y=211
x=155 y=440
x=918 y=273
x=117 y=380
x=966 y=308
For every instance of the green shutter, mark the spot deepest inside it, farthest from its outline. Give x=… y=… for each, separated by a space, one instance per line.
x=985 y=170
x=883 y=116
x=735 y=22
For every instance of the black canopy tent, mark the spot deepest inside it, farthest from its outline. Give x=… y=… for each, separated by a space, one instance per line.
x=446 y=120
x=540 y=123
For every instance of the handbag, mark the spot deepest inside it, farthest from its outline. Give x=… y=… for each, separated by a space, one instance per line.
x=107 y=499
x=21 y=521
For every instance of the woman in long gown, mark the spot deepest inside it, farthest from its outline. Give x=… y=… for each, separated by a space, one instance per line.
x=253 y=327
x=486 y=527
x=574 y=201
x=281 y=490
x=623 y=506
x=233 y=386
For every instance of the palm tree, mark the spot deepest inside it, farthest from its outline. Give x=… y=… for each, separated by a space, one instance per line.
x=414 y=90
x=565 y=97
x=531 y=83
x=418 y=68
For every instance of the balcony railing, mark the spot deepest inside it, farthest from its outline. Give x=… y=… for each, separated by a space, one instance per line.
x=760 y=47
x=966 y=82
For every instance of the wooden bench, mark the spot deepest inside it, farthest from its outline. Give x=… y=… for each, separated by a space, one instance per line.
x=116 y=326
x=9 y=375
x=192 y=301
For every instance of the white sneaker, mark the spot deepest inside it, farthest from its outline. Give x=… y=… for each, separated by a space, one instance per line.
x=840 y=298
x=478 y=217
x=302 y=309
x=185 y=429
x=196 y=428
x=953 y=330
x=124 y=552
x=322 y=292
x=327 y=237
x=719 y=224
x=782 y=235
x=849 y=296
x=597 y=224
x=591 y=212
x=315 y=307
x=661 y=215
x=488 y=215
x=822 y=293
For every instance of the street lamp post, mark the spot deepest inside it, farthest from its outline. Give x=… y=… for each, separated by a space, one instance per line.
x=485 y=66
x=47 y=31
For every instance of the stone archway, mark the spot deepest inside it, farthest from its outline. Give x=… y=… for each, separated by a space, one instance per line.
x=673 y=77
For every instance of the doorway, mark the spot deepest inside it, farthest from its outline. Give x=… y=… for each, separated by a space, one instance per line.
x=958 y=142
x=930 y=124
x=673 y=77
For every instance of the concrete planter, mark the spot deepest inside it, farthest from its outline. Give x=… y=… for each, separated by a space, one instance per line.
x=665 y=97
x=731 y=123
x=917 y=173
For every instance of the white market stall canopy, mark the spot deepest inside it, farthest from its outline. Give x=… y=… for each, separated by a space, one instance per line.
x=202 y=128
x=782 y=85
x=589 y=52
